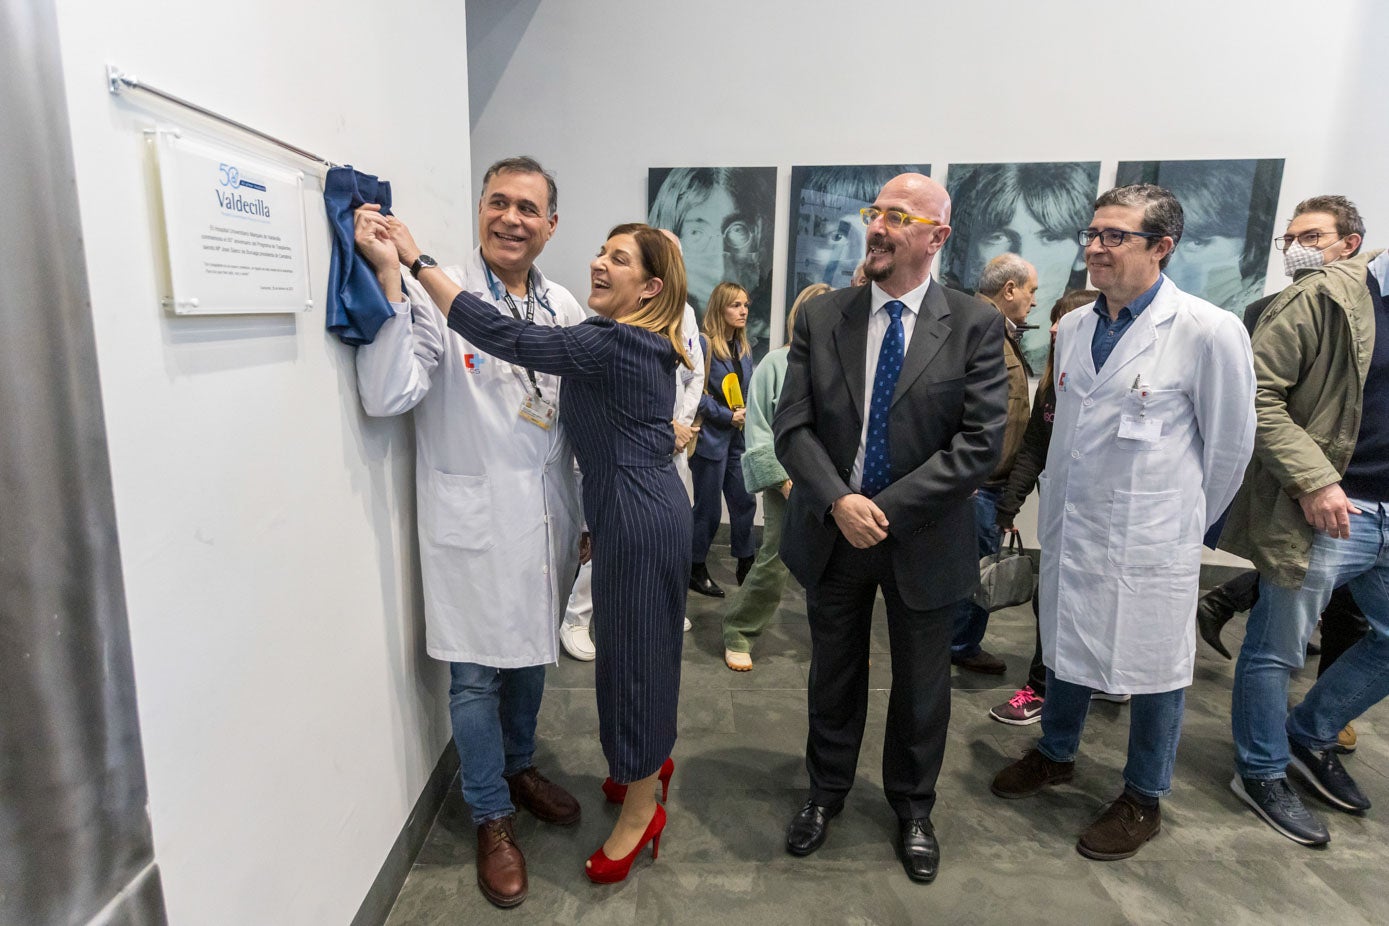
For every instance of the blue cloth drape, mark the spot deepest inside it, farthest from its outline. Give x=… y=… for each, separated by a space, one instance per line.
x=356 y=306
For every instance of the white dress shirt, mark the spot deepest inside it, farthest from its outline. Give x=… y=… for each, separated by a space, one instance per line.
x=878 y=320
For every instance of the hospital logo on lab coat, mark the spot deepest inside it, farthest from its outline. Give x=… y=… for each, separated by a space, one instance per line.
x=474 y=362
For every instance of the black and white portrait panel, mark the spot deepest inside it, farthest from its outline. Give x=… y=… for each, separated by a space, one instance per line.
x=1229 y=207
x=1033 y=210
x=830 y=235
x=724 y=219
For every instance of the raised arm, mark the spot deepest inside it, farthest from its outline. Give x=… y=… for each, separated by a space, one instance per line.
x=582 y=350
x=579 y=350
x=394 y=372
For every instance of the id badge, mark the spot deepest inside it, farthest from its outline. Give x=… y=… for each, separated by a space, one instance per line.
x=539 y=411
x=1140 y=428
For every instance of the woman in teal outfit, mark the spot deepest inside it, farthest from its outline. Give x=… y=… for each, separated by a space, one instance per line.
x=756 y=601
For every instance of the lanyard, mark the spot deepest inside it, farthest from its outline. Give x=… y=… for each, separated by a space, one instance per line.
x=530 y=319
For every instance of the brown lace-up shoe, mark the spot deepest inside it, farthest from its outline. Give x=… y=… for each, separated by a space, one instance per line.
x=542 y=797
x=501 y=868
x=1030 y=774
x=1120 y=831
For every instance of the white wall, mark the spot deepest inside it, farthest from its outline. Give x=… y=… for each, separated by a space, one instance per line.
x=290 y=717
x=600 y=92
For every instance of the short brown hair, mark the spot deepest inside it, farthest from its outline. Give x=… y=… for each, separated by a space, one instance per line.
x=1348 y=221
x=526 y=165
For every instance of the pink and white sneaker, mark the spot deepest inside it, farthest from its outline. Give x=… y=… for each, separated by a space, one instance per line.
x=1023 y=708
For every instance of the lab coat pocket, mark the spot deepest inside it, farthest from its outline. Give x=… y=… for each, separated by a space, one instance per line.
x=459 y=513
x=1144 y=527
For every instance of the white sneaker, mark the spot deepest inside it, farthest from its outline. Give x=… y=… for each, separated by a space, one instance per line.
x=688 y=625
x=1113 y=698
x=576 y=642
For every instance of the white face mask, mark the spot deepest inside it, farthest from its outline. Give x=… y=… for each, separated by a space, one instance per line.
x=1297 y=257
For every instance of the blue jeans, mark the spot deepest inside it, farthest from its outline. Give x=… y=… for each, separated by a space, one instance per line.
x=493 y=712
x=1155 y=727
x=1275 y=642
x=972 y=620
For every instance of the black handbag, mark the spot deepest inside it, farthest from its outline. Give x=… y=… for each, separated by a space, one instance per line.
x=1006 y=578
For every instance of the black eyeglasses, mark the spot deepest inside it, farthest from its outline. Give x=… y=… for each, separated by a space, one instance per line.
x=1307 y=239
x=1110 y=237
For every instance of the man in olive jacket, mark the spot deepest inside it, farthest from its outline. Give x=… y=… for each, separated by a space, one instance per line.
x=1311 y=514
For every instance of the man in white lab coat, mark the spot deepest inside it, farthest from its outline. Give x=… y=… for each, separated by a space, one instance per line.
x=499 y=510
x=1154 y=426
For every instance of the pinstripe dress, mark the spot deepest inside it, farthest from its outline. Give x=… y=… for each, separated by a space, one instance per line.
x=617 y=394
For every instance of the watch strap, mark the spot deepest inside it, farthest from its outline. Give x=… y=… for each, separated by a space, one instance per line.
x=421 y=262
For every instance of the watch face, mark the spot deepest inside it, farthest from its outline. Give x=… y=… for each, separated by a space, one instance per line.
x=421 y=262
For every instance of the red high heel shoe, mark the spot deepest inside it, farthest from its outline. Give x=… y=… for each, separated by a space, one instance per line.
x=603 y=870
x=616 y=793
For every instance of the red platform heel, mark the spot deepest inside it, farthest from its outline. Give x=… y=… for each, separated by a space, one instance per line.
x=616 y=793
x=603 y=870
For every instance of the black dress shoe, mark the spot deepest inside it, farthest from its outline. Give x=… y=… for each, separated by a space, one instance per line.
x=700 y=581
x=744 y=567
x=809 y=827
x=918 y=849
x=1211 y=615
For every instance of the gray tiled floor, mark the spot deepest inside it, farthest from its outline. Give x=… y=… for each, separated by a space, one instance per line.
x=740 y=775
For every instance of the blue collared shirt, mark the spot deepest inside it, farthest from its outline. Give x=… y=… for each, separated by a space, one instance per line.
x=1108 y=331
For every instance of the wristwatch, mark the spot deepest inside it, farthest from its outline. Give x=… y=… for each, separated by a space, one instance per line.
x=421 y=262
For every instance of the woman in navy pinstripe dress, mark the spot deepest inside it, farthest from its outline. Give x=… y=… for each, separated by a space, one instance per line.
x=617 y=394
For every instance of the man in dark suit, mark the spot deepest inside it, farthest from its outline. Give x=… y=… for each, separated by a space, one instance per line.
x=891 y=416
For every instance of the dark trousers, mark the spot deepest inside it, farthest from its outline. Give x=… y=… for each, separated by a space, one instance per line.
x=1037 y=672
x=840 y=608
x=1342 y=626
x=716 y=482
x=1342 y=622
x=1240 y=593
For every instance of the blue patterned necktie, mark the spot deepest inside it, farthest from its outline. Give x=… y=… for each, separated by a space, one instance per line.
x=877 y=469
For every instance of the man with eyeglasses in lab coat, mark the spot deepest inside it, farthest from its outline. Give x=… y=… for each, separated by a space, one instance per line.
x=1154 y=426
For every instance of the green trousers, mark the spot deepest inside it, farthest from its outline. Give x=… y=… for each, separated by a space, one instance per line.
x=756 y=601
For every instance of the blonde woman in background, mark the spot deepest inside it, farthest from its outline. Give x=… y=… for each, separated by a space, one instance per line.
x=716 y=465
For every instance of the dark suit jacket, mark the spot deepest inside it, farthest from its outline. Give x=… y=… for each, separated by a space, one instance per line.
x=945 y=433
x=717 y=435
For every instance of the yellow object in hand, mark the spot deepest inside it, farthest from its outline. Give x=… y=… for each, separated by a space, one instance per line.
x=732 y=392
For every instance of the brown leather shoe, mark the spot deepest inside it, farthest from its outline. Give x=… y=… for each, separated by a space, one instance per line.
x=1120 y=831
x=542 y=797
x=501 y=868
x=982 y=661
x=1030 y=774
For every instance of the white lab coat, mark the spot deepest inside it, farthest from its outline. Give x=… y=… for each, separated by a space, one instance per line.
x=689 y=382
x=689 y=386
x=1121 y=520
x=498 y=502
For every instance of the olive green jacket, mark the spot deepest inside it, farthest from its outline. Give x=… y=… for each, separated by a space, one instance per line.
x=1019 y=410
x=1312 y=348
